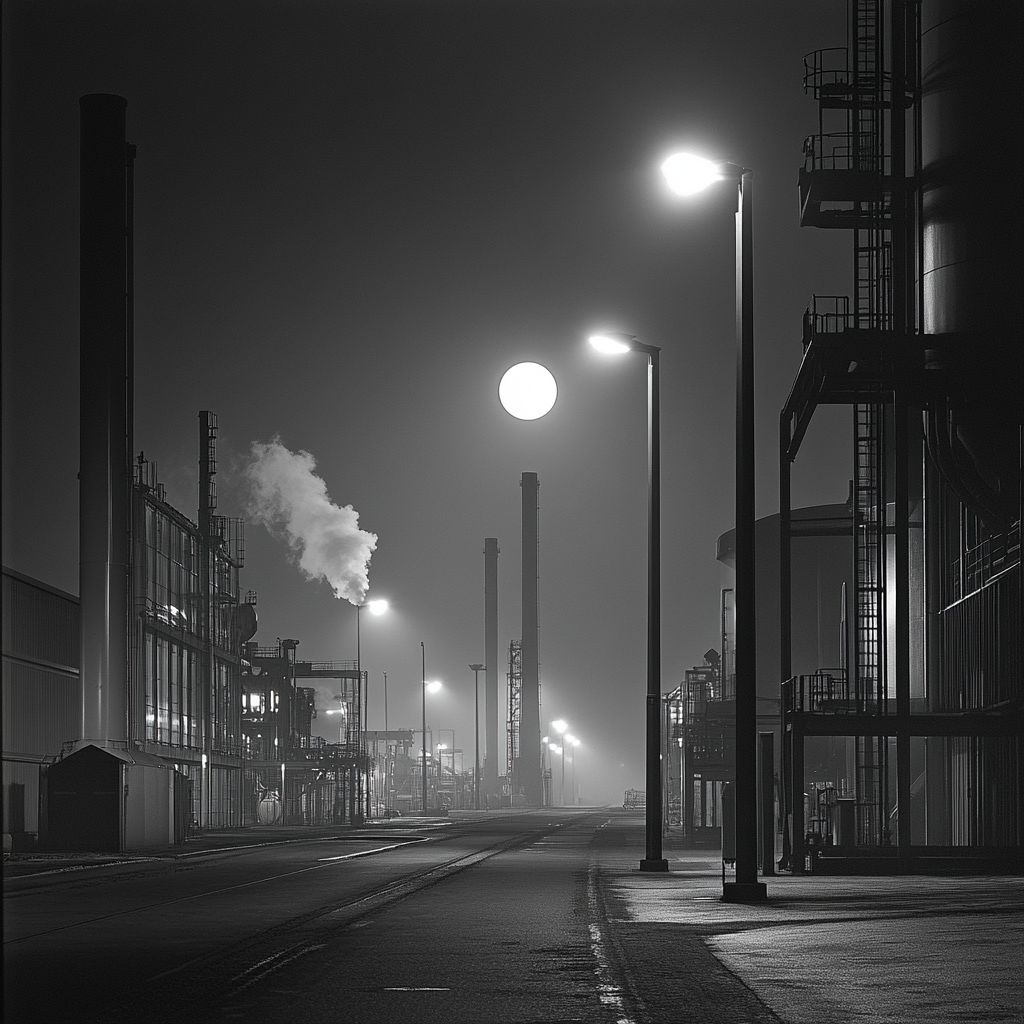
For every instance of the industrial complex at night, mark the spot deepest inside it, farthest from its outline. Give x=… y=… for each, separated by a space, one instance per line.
x=857 y=720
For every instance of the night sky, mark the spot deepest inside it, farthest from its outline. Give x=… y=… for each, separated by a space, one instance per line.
x=350 y=220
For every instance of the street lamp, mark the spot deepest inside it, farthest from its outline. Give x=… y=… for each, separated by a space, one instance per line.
x=556 y=748
x=687 y=175
x=476 y=670
x=560 y=726
x=573 y=744
x=378 y=607
x=614 y=344
x=433 y=687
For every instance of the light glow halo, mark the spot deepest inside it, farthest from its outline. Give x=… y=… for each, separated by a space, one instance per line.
x=527 y=391
x=687 y=174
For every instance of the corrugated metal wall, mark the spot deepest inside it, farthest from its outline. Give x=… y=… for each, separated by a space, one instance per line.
x=40 y=624
x=42 y=709
x=42 y=694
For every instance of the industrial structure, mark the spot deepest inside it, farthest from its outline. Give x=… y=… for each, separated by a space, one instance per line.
x=140 y=709
x=698 y=722
x=491 y=759
x=514 y=720
x=921 y=728
x=526 y=778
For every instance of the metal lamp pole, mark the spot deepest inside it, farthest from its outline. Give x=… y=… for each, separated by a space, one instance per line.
x=687 y=175
x=615 y=343
x=746 y=888
x=423 y=652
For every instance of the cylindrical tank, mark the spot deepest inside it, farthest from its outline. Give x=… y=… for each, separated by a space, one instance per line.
x=972 y=203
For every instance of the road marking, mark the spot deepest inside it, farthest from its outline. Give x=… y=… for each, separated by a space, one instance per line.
x=609 y=992
x=366 y=853
x=414 y=988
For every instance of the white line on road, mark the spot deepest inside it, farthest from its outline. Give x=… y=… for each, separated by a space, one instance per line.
x=610 y=993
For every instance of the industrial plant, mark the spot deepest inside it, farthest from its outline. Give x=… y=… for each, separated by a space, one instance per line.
x=901 y=747
x=889 y=678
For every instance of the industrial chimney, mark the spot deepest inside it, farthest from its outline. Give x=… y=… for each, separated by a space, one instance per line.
x=529 y=724
x=490 y=780
x=105 y=418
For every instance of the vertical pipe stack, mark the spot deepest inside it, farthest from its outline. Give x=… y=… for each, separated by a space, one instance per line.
x=490 y=781
x=529 y=722
x=104 y=461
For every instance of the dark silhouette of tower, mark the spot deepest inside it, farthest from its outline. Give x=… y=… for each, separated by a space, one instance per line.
x=105 y=471
x=493 y=755
x=529 y=725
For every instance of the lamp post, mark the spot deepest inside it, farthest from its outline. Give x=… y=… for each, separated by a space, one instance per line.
x=378 y=607
x=560 y=726
x=476 y=670
x=423 y=652
x=573 y=744
x=614 y=344
x=687 y=175
x=434 y=687
x=556 y=748
x=387 y=757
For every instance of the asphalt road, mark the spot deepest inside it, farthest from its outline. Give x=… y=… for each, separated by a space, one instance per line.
x=491 y=918
x=539 y=917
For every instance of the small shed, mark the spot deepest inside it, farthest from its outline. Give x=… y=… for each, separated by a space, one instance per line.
x=106 y=799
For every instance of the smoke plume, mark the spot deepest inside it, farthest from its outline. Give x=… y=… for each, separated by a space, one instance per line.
x=290 y=500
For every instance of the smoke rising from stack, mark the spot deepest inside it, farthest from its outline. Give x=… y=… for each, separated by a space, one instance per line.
x=291 y=501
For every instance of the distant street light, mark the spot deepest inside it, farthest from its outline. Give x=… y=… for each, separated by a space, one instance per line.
x=560 y=726
x=476 y=670
x=527 y=391
x=686 y=175
x=573 y=744
x=557 y=749
x=612 y=344
x=377 y=607
x=431 y=687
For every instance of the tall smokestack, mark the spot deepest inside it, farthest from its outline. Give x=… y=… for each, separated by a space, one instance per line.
x=490 y=781
x=529 y=724
x=105 y=440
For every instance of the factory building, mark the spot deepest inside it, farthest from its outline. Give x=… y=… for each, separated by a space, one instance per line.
x=122 y=708
x=181 y=733
x=918 y=733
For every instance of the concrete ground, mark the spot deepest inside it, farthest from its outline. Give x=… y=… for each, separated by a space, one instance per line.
x=841 y=949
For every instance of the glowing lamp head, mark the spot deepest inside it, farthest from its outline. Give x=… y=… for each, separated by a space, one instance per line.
x=378 y=606
x=560 y=726
x=433 y=687
x=687 y=174
x=527 y=391
x=611 y=344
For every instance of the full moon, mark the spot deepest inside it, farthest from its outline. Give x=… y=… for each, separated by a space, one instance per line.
x=527 y=391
